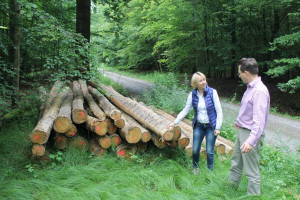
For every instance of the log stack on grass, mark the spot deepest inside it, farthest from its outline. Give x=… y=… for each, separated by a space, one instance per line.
x=85 y=118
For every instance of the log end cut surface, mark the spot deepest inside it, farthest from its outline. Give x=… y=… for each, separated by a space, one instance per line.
x=146 y=136
x=183 y=142
x=60 y=142
x=72 y=131
x=115 y=140
x=168 y=135
x=38 y=137
x=79 y=116
x=177 y=133
x=101 y=128
x=134 y=135
x=38 y=150
x=62 y=124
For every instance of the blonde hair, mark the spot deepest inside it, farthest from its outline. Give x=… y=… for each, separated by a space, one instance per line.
x=195 y=79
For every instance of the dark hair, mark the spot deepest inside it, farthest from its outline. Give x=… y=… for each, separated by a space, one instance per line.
x=248 y=64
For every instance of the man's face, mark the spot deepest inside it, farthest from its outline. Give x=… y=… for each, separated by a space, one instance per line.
x=243 y=75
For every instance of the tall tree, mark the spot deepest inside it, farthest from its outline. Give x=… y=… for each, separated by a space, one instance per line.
x=83 y=23
x=14 y=25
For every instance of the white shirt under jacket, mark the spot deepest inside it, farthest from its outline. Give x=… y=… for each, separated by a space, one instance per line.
x=202 y=116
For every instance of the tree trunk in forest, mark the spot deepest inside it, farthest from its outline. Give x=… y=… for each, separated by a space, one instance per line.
x=92 y=104
x=63 y=121
x=233 y=43
x=14 y=23
x=145 y=116
x=83 y=23
x=79 y=114
x=41 y=132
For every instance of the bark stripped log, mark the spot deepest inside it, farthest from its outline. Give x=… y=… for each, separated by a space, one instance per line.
x=43 y=99
x=96 y=126
x=63 y=121
x=157 y=142
x=96 y=149
x=183 y=141
x=145 y=116
x=79 y=115
x=78 y=142
x=115 y=140
x=110 y=126
x=91 y=102
x=185 y=125
x=52 y=94
x=126 y=151
x=108 y=108
x=131 y=132
x=41 y=132
x=71 y=131
x=60 y=141
x=38 y=150
x=104 y=141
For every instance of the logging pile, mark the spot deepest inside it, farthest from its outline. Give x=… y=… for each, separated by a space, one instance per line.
x=107 y=119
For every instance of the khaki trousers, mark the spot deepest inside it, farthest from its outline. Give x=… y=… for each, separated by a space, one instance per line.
x=248 y=161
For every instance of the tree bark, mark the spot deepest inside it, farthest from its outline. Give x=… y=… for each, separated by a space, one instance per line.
x=79 y=115
x=52 y=94
x=145 y=116
x=15 y=33
x=96 y=126
x=110 y=110
x=92 y=104
x=41 y=132
x=63 y=121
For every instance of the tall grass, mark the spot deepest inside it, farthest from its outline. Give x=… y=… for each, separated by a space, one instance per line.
x=156 y=174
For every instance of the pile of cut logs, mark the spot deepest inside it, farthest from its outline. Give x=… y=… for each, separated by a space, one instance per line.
x=110 y=119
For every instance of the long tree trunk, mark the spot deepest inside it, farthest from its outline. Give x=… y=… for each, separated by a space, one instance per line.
x=83 y=22
x=15 y=49
x=42 y=131
x=145 y=116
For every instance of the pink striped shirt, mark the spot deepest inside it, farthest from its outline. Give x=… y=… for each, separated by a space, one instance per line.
x=254 y=111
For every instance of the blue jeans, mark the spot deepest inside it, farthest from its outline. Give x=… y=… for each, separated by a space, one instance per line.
x=201 y=130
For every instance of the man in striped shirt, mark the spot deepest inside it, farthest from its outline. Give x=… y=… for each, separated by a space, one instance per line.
x=251 y=122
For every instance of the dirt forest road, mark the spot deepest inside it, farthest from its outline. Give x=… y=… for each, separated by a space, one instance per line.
x=281 y=132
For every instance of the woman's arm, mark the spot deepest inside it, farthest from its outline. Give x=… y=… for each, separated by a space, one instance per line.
x=218 y=110
x=185 y=110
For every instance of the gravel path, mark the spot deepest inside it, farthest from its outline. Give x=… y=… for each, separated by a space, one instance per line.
x=280 y=131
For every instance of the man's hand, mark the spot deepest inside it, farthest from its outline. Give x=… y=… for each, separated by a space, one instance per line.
x=246 y=147
x=217 y=132
x=236 y=126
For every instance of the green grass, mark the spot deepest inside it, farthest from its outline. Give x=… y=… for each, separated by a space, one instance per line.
x=157 y=174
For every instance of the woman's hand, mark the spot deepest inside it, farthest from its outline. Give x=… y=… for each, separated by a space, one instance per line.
x=217 y=132
x=171 y=125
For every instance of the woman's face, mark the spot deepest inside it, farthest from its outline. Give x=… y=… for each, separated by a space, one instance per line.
x=201 y=84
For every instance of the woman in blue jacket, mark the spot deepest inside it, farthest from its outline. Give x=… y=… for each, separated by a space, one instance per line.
x=207 y=120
